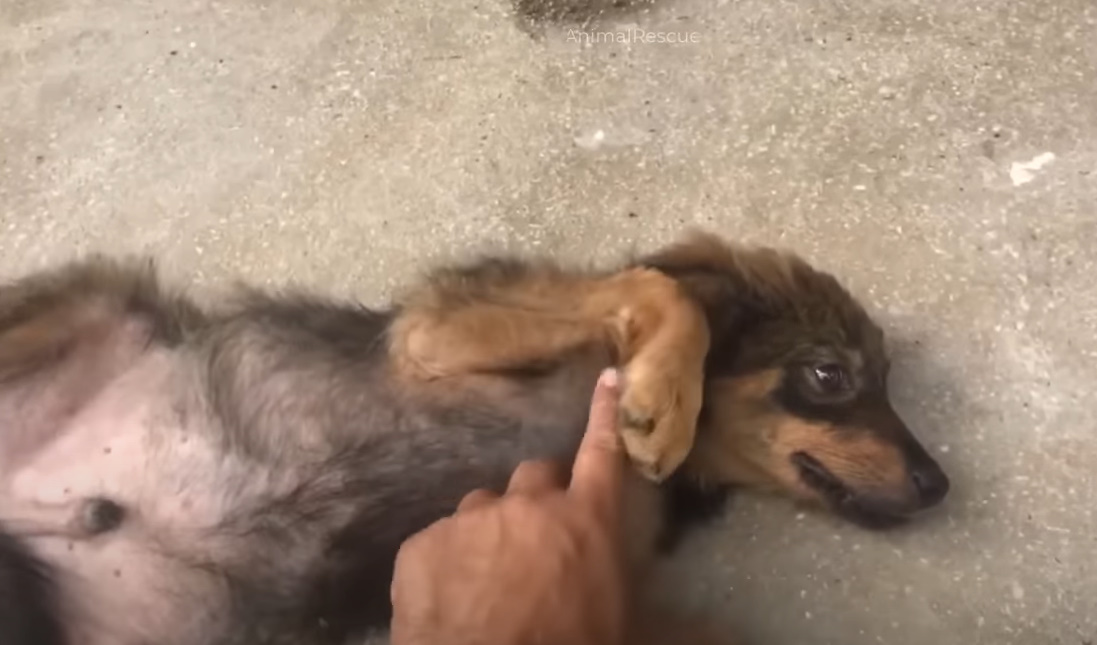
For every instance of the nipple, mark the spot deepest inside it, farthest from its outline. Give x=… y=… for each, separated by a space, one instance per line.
x=98 y=515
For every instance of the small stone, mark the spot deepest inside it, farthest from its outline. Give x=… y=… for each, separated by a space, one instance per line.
x=1017 y=591
x=591 y=140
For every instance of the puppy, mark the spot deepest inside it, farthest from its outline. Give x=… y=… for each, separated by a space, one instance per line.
x=245 y=473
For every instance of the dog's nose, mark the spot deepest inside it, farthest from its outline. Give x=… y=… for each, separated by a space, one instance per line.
x=931 y=482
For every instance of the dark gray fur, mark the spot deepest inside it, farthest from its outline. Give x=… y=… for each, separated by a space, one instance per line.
x=322 y=461
x=277 y=372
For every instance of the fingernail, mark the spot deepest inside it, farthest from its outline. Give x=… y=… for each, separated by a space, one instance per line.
x=609 y=377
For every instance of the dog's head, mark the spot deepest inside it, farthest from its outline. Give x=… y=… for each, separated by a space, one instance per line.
x=796 y=392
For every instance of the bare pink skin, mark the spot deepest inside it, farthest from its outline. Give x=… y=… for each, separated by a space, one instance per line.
x=265 y=458
x=140 y=441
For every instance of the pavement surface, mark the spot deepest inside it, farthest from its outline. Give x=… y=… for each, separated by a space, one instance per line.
x=940 y=156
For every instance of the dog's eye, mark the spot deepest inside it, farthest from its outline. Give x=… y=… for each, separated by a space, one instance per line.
x=831 y=378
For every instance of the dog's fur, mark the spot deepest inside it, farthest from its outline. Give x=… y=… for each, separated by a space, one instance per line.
x=274 y=454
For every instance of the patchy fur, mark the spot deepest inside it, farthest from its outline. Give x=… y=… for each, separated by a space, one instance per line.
x=271 y=456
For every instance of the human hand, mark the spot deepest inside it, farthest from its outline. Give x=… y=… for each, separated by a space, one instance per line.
x=539 y=565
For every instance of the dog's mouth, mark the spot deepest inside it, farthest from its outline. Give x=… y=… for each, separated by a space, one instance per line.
x=860 y=509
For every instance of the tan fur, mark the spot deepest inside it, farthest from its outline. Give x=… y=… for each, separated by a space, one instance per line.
x=657 y=334
x=860 y=461
x=748 y=440
x=736 y=444
x=458 y=324
x=700 y=321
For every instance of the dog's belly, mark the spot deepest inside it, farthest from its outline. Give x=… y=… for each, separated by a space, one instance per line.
x=138 y=445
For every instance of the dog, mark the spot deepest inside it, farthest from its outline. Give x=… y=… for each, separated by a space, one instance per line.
x=244 y=474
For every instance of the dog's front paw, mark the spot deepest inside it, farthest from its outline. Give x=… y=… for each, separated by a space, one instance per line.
x=658 y=414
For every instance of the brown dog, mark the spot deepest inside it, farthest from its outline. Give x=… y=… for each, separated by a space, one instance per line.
x=244 y=476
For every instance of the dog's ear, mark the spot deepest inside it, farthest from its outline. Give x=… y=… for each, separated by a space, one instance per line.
x=708 y=269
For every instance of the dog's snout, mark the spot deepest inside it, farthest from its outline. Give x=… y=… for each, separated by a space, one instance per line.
x=931 y=483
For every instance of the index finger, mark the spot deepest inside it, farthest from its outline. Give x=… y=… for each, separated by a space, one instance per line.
x=598 y=474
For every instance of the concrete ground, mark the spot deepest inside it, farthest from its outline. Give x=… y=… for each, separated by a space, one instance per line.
x=939 y=155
